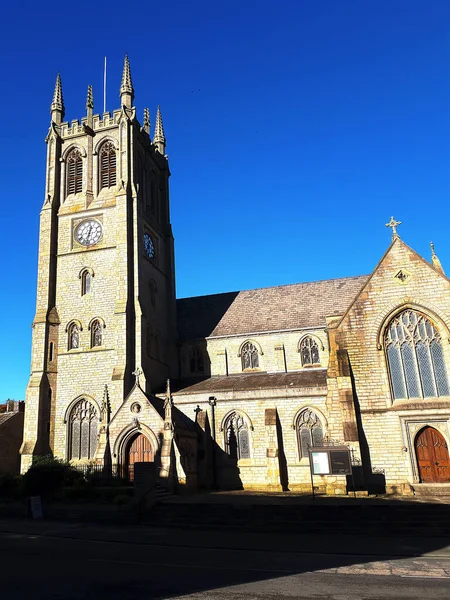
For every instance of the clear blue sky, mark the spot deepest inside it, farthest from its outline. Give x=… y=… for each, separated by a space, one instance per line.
x=295 y=129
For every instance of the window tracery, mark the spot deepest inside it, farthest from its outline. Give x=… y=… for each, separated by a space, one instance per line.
x=83 y=430
x=309 y=351
x=309 y=432
x=415 y=357
x=96 y=333
x=237 y=441
x=196 y=360
x=250 y=356
x=73 y=337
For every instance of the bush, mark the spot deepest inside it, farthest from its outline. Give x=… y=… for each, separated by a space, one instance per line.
x=10 y=486
x=47 y=476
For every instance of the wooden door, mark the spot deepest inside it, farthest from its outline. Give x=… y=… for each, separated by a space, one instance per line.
x=432 y=456
x=139 y=450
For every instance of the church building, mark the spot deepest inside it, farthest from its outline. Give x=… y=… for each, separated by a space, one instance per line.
x=228 y=390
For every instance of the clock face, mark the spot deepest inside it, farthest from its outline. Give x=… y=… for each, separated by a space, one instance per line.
x=88 y=232
x=149 y=247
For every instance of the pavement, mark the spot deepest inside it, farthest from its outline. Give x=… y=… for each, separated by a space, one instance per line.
x=60 y=560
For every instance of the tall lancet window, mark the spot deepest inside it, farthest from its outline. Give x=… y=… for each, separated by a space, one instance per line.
x=73 y=341
x=107 y=165
x=96 y=333
x=415 y=356
x=74 y=172
x=250 y=358
x=83 y=428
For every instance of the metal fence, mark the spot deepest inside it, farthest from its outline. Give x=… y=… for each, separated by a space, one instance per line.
x=99 y=475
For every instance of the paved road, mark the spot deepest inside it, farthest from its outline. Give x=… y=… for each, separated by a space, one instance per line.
x=44 y=565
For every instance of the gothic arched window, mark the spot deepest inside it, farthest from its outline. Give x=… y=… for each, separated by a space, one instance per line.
x=73 y=340
x=74 y=172
x=86 y=282
x=309 y=432
x=415 y=357
x=309 y=352
x=96 y=333
x=83 y=428
x=237 y=442
x=107 y=159
x=250 y=357
x=196 y=360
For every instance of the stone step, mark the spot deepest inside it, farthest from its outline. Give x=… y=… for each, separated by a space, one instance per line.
x=432 y=489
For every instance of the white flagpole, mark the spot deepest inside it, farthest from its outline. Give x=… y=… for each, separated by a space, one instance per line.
x=104 y=88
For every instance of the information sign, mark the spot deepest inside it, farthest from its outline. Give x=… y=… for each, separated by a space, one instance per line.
x=320 y=462
x=36 y=507
x=340 y=462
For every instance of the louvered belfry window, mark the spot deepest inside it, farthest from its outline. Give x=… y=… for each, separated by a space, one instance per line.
x=415 y=357
x=74 y=172
x=107 y=165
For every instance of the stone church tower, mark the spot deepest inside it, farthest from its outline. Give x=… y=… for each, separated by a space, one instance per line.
x=105 y=308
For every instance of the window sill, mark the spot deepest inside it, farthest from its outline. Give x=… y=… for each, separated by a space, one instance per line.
x=85 y=350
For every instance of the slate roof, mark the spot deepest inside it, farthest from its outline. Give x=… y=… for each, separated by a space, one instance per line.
x=296 y=306
x=308 y=378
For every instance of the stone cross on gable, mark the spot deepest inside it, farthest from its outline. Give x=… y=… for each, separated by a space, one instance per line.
x=393 y=224
x=137 y=374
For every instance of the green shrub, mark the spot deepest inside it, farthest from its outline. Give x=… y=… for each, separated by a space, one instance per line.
x=47 y=476
x=10 y=486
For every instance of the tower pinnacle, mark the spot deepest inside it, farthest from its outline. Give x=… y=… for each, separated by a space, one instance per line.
x=158 y=138
x=57 y=105
x=435 y=260
x=146 y=122
x=90 y=98
x=126 y=88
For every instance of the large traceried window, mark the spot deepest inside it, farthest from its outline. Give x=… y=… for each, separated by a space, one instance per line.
x=415 y=357
x=250 y=358
x=74 y=172
x=309 y=352
x=107 y=156
x=237 y=442
x=309 y=431
x=83 y=428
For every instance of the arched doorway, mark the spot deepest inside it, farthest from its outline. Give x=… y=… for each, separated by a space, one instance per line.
x=138 y=449
x=432 y=456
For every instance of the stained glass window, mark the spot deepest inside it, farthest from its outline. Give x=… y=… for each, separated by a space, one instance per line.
x=415 y=357
x=250 y=358
x=310 y=432
x=73 y=337
x=74 y=172
x=309 y=351
x=83 y=429
x=237 y=442
x=96 y=333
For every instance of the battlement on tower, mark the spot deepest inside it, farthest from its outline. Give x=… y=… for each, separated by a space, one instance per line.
x=76 y=127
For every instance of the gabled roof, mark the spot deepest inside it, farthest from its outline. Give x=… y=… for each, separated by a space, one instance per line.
x=279 y=308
